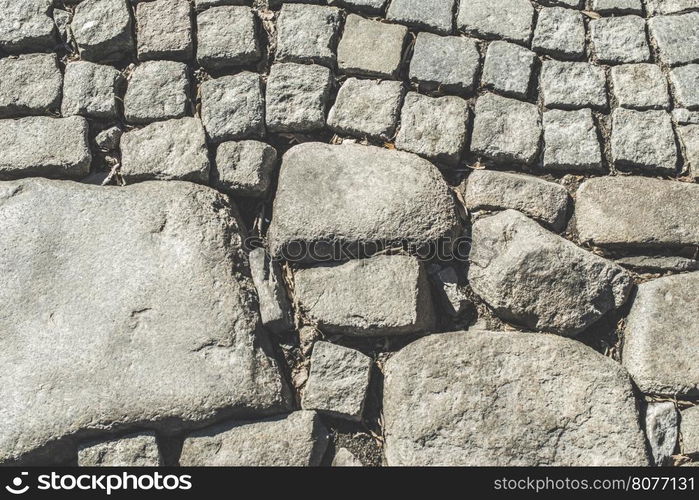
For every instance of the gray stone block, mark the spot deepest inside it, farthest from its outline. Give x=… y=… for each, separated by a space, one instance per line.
x=571 y=142
x=685 y=117
x=436 y=15
x=164 y=30
x=157 y=90
x=508 y=69
x=30 y=85
x=244 y=168
x=275 y=309
x=657 y=7
x=689 y=139
x=226 y=37
x=307 y=34
x=677 y=37
x=685 y=84
x=135 y=450
x=445 y=62
x=640 y=86
x=662 y=431
x=91 y=90
x=26 y=26
x=618 y=6
x=573 y=85
x=618 y=40
x=689 y=427
x=659 y=264
x=508 y=19
x=643 y=141
x=102 y=30
x=108 y=139
x=560 y=32
x=62 y=20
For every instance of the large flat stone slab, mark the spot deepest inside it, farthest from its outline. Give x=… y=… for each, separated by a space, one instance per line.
x=508 y=399
x=123 y=307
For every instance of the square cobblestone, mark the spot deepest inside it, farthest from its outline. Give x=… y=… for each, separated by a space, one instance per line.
x=571 y=142
x=685 y=83
x=244 y=168
x=643 y=141
x=435 y=15
x=573 y=85
x=226 y=37
x=91 y=90
x=308 y=33
x=30 y=85
x=560 y=32
x=618 y=40
x=640 y=86
x=449 y=62
x=157 y=90
x=508 y=19
x=26 y=26
x=508 y=69
x=677 y=37
x=102 y=30
x=164 y=30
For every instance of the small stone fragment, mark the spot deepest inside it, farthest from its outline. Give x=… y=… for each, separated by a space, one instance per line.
x=30 y=85
x=345 y=458
x=108 y=140
x=677 y=37
x=618 y=40
x=560 y=32
x=102 y=30
x=573 y=85
x=689 y=138
x=62 y=20
x=508 y=19
x=307 y=33
x=226 y=37
x=244 y=168
x=640 y=86
x=689 y=427
x=451 y=292
x=685 y=83
x=571 y=142
x=157 y=90
x=135 y=450
x=164 y=30
x=435 y=15
x=91 y=90
x=447 y=62
x=643 y=141
x=662 y=431
x=275 y=309
x=508 y=69
x=25 y=26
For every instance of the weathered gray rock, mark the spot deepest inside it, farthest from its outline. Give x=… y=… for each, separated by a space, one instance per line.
x=357 y=52
x=508 y=399
x=164 y=30
x=506 y=130
x=169 y=150
x=360 y=196
x=26 y=26
x=618 y=6
x=689 y=138
x=685 y=117
x=619 y=40
x=62 y=20
x=173 y=345
x=226 y=37
x=275 y=309
x=508 y=69
x=436 y=15
x=157 y=90
x=573 y=85
x=648 y=263
x=135 y=450
x=689 y=427
x=367 y=108
x=560 y=32
x=345 y=458
x=542 y=200
x=662 y=430
x=91 y=90
x=297 y=440
x=232 y=107
x=297 y=97
x=517 y=267
x=685 y=83
x=244 y=168
x=571 y=142
x=338 y=381
x=30 y=85
x=640 y=86
x=635 y=211
x=307 y=33
x=643 y=140
x=662 y=336
x=656 y=7
x=677 y=37
x=42 y=146
x=102 y=30
x=434 y=127
x=508 y=19
x=446 y=62
x=108 y=139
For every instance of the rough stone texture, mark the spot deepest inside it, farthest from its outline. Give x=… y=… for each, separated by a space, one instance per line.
x=369 y=6
x=297 y=440
x=349 y=202
x=232 y=107
x=307 y=33
x=173 y=149
x=689 y=427
x=62 y=20
x=446 y=62
x=685 y=83
x=275 y=310
x=338 y=381
x=226 y=37
x=640 y=86
x=380 y=296
x=508 y=69
x=618 y=6
x=102 y=30
x=662 y=431
x=570 y=141
x=434 y=127
x=573 y=85
x=542 y=200
x=506 y=130
x=689 y=138
x=685 y=117
x=297 y=97
x=367 y=108
x=108 y=139
x=30 y=85
x=662 y=336
x=42 y=146
x=91 y=90
x=164 y=30
x=634 y=211
x=26 y=26
x=508 y=19
x=645 y=263
x=345 y=458
x=371 y=48
x=619 y=40
x=173 y=348
x=135 y=450
x=560 y=32
x=157 y=90
x=677 y=37
x=517 y=266
x=435 y=15
x=671 y=6
x=508 y=399
x=643 y=140
x=244 y=168
x=203 y=4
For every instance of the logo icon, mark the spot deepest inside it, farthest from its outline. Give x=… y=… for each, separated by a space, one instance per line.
x=16 y=487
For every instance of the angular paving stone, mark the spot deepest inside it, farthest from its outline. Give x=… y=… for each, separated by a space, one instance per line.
x=345 y=458
x=662 y=430
x=506 y=130
x=164 y=30
x=517 y=266
x=371 y=48
x=508 y=69
x=26 y=26
x=91 y=90
x=640 y=86
x=102 y=30
x=244 y=168
x=560 y=32
x=341 y=207
x=169 y=150
x=307 y=33
x=685 y=83
x=618 y=6
x=643 y=141
x=573 y=85
x=157 y=90
x=367 y=108
x=226 y=37
x=434 y=127
x=636 y=211
x=233 y=107
x=671 y=6
x=619 y=40
x=447 y=62
x=108 y=140
x=172 y=347
x=30 y=85
x=135 y=450
x=368 y=6
x=338 y=381
x=677 y=37
x=297 y=440
x=42 y=146
x=275 y=309
x=689 y=138
x=689 y=427
x=508 y=399
x=542 y=200
x=570 y=141
x=297 y=97
x=508 y=19
x=380 y=296
x=661 y=336
x=436 y=15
